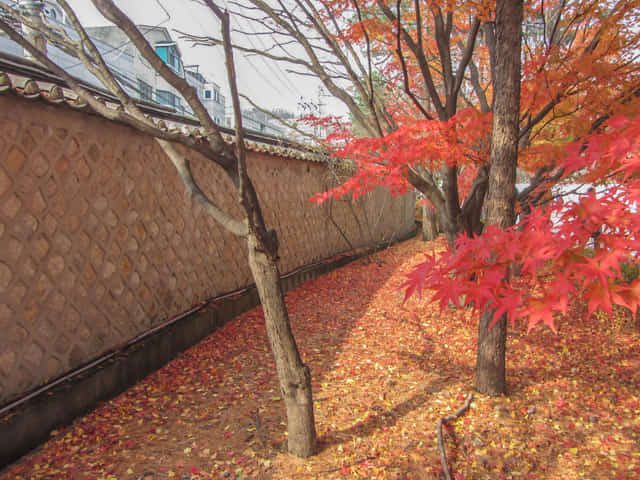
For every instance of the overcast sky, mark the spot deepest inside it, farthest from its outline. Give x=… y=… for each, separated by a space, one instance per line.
x=265 y=82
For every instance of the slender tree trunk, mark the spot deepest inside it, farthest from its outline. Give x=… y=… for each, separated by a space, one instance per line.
x=429 y=226
x=490 y=366
x=451 y=216
x=294 y=376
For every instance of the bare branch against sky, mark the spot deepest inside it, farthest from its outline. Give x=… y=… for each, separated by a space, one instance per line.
x=266 y=82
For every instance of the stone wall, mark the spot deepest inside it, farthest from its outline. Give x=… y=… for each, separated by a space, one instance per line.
x=99 y=241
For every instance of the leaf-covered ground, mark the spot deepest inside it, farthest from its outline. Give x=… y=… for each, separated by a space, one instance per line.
x=383 y=373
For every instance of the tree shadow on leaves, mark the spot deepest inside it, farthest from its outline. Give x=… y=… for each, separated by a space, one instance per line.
x=437 y=362
x=389 y=417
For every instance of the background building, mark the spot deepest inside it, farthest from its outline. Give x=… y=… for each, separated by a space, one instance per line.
x=257 y=121
x=120 y=62
x=134 y=73
x=152 y=87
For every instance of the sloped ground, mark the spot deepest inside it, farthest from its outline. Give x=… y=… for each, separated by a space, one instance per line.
x=383 y=373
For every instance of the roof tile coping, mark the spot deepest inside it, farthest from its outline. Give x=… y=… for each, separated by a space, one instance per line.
x=57 y=94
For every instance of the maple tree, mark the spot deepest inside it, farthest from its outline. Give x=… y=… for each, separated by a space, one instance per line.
x=261 y=241
x=530 y=270
x=490 y=365
x=579 y=74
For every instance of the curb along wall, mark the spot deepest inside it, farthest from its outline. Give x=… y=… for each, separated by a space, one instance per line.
x=99 y=241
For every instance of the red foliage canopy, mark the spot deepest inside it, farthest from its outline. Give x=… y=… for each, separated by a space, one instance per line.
x=555 y=248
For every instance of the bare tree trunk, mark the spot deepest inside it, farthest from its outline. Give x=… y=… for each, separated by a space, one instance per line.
x=293 y=374
x=490 y=365
x=429 y=226
x=262 y=243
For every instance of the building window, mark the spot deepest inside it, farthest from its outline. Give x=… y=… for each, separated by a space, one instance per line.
x=207 y=94
x=145 y=91
x=167 y=98
x=174 y=60
x=162 y=53
x=216 y=96
x=169 y=55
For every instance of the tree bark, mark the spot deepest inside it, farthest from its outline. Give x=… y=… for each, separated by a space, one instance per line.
x=293 y=374
x=491 y=365
x=490 y=376
x=429 y=226
x=450 y=218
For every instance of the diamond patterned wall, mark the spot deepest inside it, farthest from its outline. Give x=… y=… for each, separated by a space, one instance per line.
x=99 y=241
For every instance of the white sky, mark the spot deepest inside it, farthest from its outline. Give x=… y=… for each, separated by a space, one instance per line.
x=264 y=81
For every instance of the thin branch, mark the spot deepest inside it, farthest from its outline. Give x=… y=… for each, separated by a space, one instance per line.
x=380 y=108
x=318 y=70
x=477 y=87
x=183 y=167
x=416 y=6
x=101 y=70
x=337 y=227
x=555 y=24
x=211 y=41
x=466 y=58
x=420 y=57
x=241 y=154
x=540 y=115
x=407 y=86
x=352 y=76
x=440 y=423
x=370 y=72
x=442 y=36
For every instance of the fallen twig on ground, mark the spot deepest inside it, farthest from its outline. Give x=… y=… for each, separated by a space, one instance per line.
x=442 y=421
x=258 y=424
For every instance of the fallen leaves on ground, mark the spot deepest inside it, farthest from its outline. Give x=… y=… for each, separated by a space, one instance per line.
x=383 y=372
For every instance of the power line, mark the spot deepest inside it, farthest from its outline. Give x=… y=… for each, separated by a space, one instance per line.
x=278 y=72
x=227 y=106
x=127 y=42
x=275 y=70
